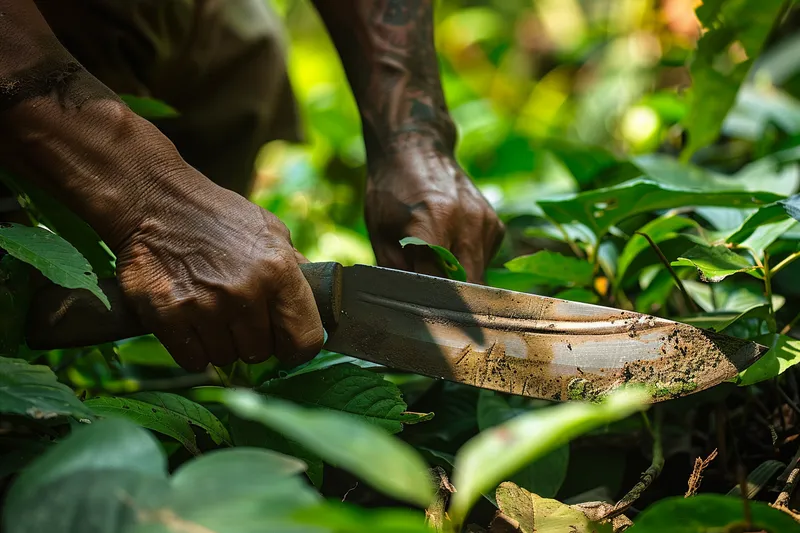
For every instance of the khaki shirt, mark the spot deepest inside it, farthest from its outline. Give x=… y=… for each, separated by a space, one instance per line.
x=220 y=63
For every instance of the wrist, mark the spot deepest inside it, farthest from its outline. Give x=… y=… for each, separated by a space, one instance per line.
x=110 y=166
x=426 y=137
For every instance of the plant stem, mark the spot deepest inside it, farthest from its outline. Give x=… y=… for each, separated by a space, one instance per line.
x=768 y=284
x=788 y=327
x=785 y=263
x=689 y=302
x=649 y=475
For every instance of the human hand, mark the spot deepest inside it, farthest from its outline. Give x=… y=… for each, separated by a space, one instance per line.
x=216 y=279
x=422 y=193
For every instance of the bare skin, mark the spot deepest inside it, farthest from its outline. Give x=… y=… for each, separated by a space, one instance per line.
x=215 y=277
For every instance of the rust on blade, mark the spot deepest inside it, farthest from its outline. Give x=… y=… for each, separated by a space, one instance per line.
x=522 y=343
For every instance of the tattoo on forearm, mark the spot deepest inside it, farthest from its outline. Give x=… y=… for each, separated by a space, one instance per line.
x=387 y=48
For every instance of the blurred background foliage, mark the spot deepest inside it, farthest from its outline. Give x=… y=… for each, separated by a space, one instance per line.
x=549 y=96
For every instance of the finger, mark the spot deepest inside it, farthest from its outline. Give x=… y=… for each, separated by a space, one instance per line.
x=185 y=347
x=218 y=342
x=493 y=240
x=296 y=324
x=424 y=260
x=253 y=337
x=471 y=257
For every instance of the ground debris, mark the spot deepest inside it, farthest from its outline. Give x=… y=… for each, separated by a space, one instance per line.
x=697 y=473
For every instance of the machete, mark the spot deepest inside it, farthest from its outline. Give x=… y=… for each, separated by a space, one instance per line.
x=491 y=338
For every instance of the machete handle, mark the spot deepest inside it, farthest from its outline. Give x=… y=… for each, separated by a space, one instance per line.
x=71 y=318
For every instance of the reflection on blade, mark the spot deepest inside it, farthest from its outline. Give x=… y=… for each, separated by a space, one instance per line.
x=522 y=343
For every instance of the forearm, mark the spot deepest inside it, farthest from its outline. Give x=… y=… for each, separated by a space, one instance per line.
x=388 y=53
x=63 y=129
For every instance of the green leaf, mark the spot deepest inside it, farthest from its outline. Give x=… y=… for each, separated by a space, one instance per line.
x=722 y=320
x=602 y=208
x=541 y=515
x=55 y=215
x=149 y=108
x=339 y=517
x=737 y=32
x=762 y=228
x=249 y=433
x=659 y=230
x=710 y=513
x=166 y=413
x=758 y=479
x=349 y=389
x=383 y=462
x=553 y=269
x=326 y=359
x=111 y=477
x=447 y=261
x=85 y=475
x=542 y=476
x=578 y=295
x=714 y=263
x=34 y=391
x=784 y=353
x=493 y=455
x=792 y=206
x=57 y=259
x=146 y=351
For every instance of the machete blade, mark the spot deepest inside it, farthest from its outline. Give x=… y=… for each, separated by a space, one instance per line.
x=523 y=343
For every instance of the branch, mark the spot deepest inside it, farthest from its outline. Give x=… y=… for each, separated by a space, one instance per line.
x=649 y=475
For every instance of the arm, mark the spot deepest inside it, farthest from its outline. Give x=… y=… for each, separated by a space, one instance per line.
x=414 y=186
x=214 y=276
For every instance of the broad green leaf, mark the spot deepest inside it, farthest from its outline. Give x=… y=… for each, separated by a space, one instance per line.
x=588 y=163
x=344 y=518
x=53 y=256
x=758 y=479
x=14 y=299
x=382 y=461
x=447 y=261
x=722 y=320
x=792 y=206
x=737 y=32
x=578 y=295
x=34 y=391
x=249 y=433
x=714 y=263
x=97 y=462
x=493 y=455
x=602 y=208
x=541 y=515
x=149 y=108
x=710 y=513
x=326 y=359
x=658 y=230
x=542 y=476
x=762 y=228
x=55 y=215
x=146 y=351
x=349 y=389
x=784 y=353
x=553 y=269
x=166 y=413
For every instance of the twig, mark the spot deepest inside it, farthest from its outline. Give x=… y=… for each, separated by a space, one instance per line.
x=697 y=473
x=649 y=475
x=788 y=327
x=789 y=476
x=786 y=494
x=785 y=262
x=768 y=284
x=436 y=513
x=689 y=302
